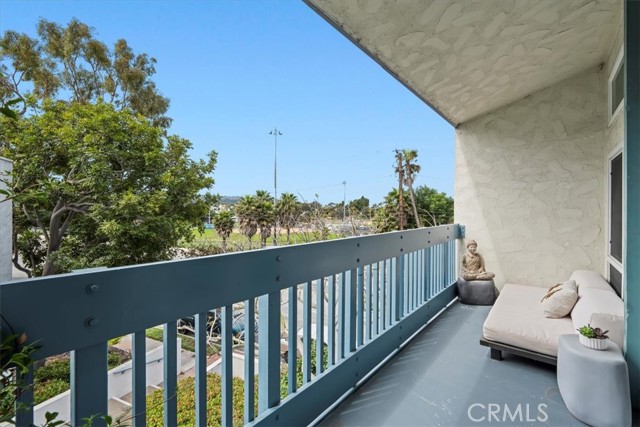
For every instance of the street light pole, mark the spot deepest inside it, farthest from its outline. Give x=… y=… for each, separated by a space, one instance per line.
x=275 y=132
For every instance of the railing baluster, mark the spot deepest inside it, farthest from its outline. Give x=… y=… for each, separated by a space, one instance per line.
x=359 y=306
x=170 y=353
x=351 y=311
x=139 y=379
x=406 y=288
x=416 y=280
x=201 y=368
x=292 y=349
x=434 y=267
x=369 y=301
x=412 y=281
x=386 y=294
x=418 y=256
x=331 y=319
x=89 y=383
x=24 y=416
x=399 y=288
x=306 y=334
x=227 y=366
x=269 y=351
x=376 y=298
x=425 y=273
x=436 y=250
x=442 y=264
x=319 y=325
x=452 y=262
x=249 y=360
x=341 y=315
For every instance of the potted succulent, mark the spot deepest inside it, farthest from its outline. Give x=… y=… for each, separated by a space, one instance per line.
x=592 y=337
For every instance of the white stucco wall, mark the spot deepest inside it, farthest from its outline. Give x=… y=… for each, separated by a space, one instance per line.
x=5 y=224
x=529 y=182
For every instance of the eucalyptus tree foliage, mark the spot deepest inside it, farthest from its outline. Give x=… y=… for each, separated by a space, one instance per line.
x=95 y=186
x=68 y=63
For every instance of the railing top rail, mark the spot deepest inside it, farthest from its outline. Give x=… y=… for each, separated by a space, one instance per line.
x=75 y=310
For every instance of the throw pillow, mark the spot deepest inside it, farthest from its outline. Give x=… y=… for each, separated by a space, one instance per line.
x=560 y=299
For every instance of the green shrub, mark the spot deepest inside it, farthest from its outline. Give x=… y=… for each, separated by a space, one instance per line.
x=154 y=334
x=284 y=377
x=114 y=341
x=187 y=398
x=115 y=359
x=47 y=390
x=54 y=370
x=188 y=343
x=53 y=378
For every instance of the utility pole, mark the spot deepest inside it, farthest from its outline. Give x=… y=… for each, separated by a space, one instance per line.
x=344 y=202
x=400 y=172
x=275 y=132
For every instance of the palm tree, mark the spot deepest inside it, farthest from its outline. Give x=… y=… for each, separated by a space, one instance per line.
x=224 y=223
x=410 y=171
x=287 y=212
x=246 y=211
x=265 y=216
x=400 y=173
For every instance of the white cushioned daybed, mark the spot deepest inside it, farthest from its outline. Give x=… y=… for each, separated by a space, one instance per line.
x=517 y=323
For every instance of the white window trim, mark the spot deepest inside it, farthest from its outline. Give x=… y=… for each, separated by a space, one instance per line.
x=614 y=71
x=610 y=260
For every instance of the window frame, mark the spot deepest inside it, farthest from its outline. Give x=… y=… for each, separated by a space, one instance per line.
x=617 y=67
x=609 y=259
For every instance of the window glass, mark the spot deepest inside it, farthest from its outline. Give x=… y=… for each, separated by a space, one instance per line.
x=616 y=208
x=617 y=89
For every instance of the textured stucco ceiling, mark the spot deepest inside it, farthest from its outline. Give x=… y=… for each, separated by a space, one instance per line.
x=469 y=57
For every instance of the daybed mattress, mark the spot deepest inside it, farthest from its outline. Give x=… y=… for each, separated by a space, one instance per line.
x=517 y=319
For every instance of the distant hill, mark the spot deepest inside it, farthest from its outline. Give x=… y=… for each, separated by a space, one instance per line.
x=229 y=200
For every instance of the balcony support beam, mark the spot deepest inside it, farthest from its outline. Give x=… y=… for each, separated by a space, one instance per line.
x=631 y=189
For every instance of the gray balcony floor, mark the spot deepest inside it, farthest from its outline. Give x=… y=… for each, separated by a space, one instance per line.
x=437 y=378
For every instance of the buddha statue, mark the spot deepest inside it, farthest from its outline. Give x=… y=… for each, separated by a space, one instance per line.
x=473 y=264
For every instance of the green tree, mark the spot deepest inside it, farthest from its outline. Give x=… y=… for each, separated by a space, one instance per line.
x=410 y=170
x=434 y=208
x=265 y=215
x=247 y=213
x=399 y=170
x=287 y=212
x=70 y=64
x=359 y=206
x=224 y=223
x=93 y=186
x=386 y=217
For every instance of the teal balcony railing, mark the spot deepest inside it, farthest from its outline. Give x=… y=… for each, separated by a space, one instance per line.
x=368 y=295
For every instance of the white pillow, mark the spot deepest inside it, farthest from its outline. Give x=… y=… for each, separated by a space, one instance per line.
x=560 y=299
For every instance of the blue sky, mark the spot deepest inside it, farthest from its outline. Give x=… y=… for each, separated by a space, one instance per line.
x=235 y=69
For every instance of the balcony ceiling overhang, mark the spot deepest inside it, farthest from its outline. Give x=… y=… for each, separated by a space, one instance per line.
x=466 y=58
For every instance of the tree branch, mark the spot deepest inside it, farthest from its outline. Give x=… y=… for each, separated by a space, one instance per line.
x=16 y=257
x=38 y=221
x=66 y=223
